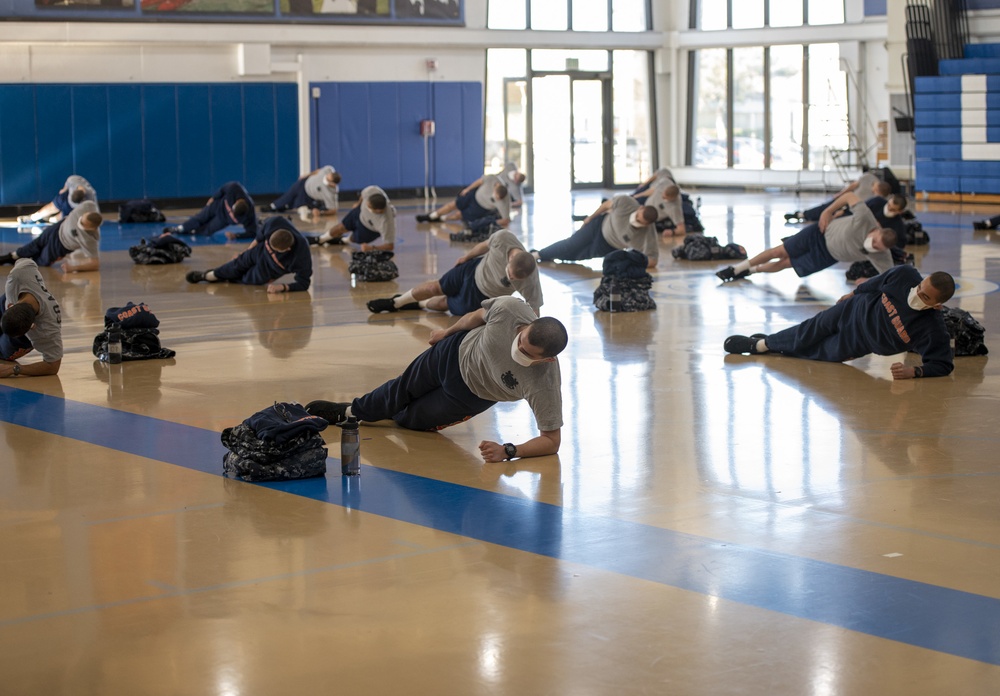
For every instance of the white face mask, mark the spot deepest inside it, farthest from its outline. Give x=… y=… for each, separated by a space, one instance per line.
x=913 y=299
x=519 y=357
x=633 y=220
x=870 y=245
x=888 y=213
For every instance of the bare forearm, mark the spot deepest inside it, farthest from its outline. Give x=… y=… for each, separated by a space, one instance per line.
x=38 y=369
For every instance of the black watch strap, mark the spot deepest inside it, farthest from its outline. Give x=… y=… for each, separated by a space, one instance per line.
x=510 y=450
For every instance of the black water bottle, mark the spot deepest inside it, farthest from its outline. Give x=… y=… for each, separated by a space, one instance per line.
x=350 y=447
x=114 y=344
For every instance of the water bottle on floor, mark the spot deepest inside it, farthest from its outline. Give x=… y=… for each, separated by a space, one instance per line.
x=115 y=344
x=350 y=447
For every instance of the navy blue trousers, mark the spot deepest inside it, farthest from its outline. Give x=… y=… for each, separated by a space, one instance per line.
x=359 y=233
x=820 y=338
x=294 y=197
x=812 y=215
x=61 y=202
x=429 y=395
x=46 y=248
x=249 y=268
x=586 y=243
x=209 y=220
x=476 y=217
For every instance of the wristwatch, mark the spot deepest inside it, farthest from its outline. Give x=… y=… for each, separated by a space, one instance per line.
x=918 y=371
x=509 y=450
x=17 y=371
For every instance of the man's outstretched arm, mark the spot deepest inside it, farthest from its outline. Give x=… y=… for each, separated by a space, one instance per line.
x=546 y=443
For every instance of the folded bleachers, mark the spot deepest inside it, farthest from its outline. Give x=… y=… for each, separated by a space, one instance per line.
x=957 y=125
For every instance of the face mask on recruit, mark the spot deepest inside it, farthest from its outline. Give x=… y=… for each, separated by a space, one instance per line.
x=519 y=357
x=633 y=220
x=913 y=299
x=870 y=245
x=887 y=212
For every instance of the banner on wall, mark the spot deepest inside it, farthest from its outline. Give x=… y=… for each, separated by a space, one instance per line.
x=344 y=11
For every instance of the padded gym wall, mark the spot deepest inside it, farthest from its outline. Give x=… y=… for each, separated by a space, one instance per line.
x=156 y=141
x=370 y=132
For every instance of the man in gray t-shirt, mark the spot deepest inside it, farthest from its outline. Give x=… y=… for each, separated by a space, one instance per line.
x=665 y=196
x=30 y=310
x=76 y=239
x=619 y=223
x=486 y=200
x=855 y=237
x=501 y=352
x=514 y=181
x=371 y=223
x=496 y=267
x=75 y=191
x=315 y=191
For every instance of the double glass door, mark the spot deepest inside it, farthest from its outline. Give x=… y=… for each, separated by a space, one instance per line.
x=558 y=127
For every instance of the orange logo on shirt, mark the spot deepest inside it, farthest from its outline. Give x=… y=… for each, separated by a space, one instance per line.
x=897 y=323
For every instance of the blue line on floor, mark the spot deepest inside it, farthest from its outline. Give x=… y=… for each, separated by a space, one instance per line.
x=915 y=613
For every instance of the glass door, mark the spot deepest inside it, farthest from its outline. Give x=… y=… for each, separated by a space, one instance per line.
x=590 y=133
x=551 y=127
x=515 y=119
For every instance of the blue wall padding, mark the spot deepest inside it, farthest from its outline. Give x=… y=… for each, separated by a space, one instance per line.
x=17 y=145
x=124 y=130
x=147 y=141
x=370 y=132
x=160 y=145
x=228 y=137
x=53 y=138
x=261 y=131
x=90 y=134
x=195 y=152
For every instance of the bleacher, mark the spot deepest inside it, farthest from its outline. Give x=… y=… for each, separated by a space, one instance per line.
x=957 y=125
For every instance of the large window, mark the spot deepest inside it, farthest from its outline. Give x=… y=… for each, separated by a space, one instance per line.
x=787 y=108
x=633 y=133
x=711 y=116
x=748 y=108
x=827 y=106
x=777 y=107
x=560 y=15
x=754 y=14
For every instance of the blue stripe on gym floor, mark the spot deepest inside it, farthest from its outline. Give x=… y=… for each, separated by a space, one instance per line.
x=928 y=616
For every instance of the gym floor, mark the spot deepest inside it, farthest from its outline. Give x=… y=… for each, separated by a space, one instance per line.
x=713 y=524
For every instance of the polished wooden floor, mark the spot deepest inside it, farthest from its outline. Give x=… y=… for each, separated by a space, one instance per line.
x=713 y=524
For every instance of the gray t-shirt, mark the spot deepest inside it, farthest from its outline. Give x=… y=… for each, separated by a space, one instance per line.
x=491 y=273
x=74 y=182
x=74 y=237
x=845 y=238
x=491 y=373
x=383 y=223
x=484 y=196
x=664 y=208
x=318 y=190
x=507 y=179
x=621 y=235
x=46 y=334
